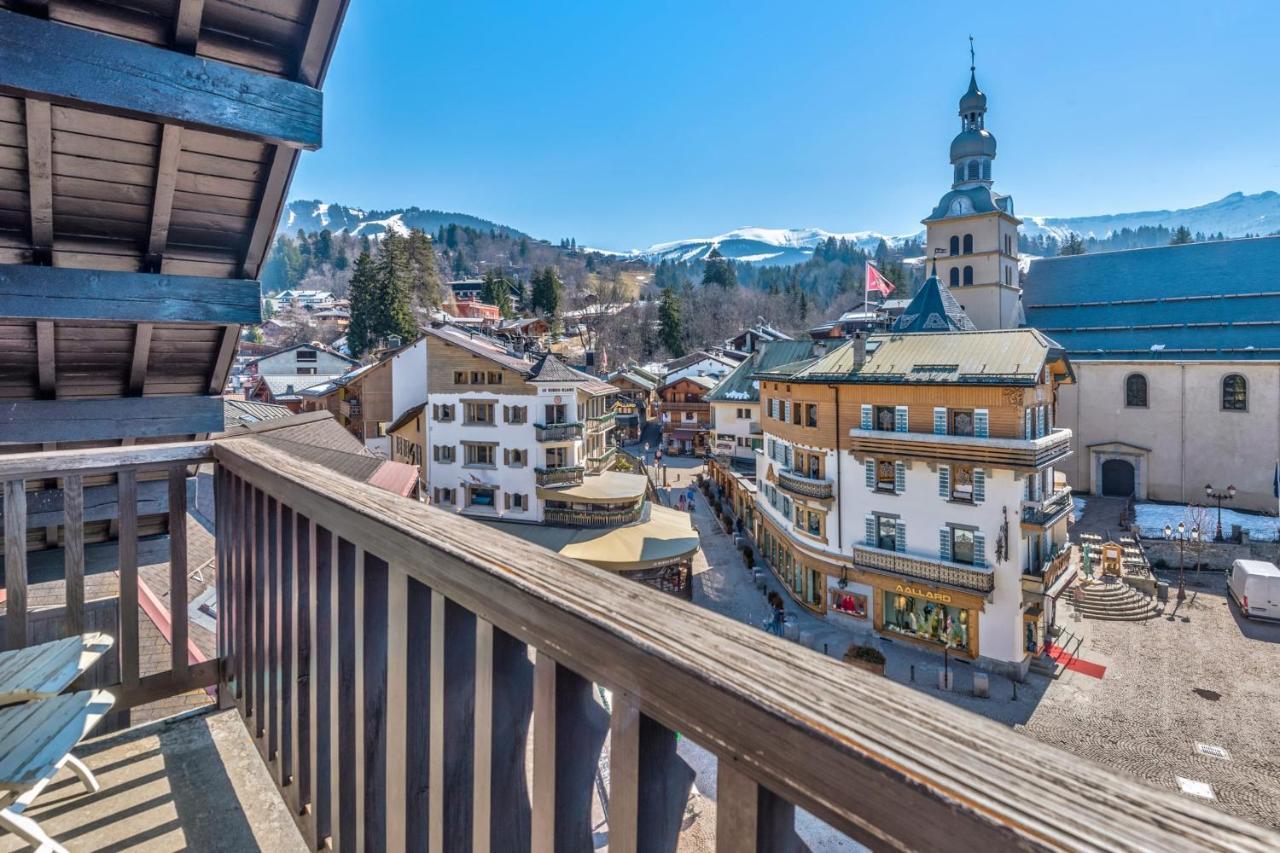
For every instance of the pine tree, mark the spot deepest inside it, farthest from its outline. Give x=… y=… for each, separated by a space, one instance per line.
x=424 y=274
x=1181 y=236
x=1073 y=246
x=363 y=294
x=547 y=291
x=719 y=270
x=395 y=311
x=670 y=324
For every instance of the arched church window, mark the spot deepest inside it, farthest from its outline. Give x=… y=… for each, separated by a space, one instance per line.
x=968 y=275
x=955 y=276
x=955 y=245
x=1235 y=393
x=1135 y=391
x=986 y=170
x=968 y=244
x=973 y=170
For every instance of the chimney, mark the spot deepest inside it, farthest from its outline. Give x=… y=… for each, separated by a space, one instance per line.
x=859 y=349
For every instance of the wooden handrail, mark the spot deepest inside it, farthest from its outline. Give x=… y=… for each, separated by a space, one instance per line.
x=790 y=728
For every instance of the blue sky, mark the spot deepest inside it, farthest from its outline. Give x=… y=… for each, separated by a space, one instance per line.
x=627 y=123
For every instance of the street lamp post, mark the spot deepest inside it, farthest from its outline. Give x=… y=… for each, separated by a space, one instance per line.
x=1182 y=539
x=1214 y=495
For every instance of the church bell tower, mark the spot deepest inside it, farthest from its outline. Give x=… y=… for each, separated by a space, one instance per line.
x=972 y=233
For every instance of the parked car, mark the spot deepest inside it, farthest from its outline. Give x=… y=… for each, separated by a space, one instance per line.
x=1255 y=585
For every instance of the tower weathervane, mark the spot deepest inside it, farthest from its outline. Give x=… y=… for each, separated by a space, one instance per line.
x=972 y=65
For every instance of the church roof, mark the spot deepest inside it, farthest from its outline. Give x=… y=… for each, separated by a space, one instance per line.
x=1200 y=301
x=973 y=100
x=933 y=309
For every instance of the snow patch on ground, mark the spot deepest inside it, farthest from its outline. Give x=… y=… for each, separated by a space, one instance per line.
x=1152 y=518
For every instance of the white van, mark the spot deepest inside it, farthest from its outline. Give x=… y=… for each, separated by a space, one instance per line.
x=1255 y=585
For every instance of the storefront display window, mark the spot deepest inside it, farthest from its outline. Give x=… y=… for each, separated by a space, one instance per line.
x=849 y=603
x=926 y=620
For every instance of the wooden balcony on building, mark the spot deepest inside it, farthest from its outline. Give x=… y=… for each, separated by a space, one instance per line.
x=349 y=409
x=601 y=423
x=557 y=432
x=933 y=571
x=411 y=679
x=700 y=406
x=603 y=460
x=1020 y=454
x=566 y=476
x=1047 y=512
x=1038 y=581
x=799 y=484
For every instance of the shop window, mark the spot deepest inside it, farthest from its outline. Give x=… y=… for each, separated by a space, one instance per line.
x=849 y=603
x=926 y=619
x=1135 y=391
x=1235 y=393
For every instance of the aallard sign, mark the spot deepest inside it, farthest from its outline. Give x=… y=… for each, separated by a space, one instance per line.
x=916 y=592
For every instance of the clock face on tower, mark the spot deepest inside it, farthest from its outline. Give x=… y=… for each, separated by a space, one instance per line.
x=961 y=206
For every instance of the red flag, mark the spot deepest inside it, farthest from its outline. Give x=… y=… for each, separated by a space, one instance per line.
x=877 y=282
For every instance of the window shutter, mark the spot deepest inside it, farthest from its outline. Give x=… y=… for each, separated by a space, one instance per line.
x=899 y=477
x=1039 y=421
x=979 y=485
x=979 y=550
x=871 y=474
x=506 y=500
x=506 y=456
x=435 y=411
x=981 y=423
x=786 y=452
x=871 y=531
x=900 y=418
x=1026 y=425
x=435 y=453
x=787 y=410
x=866 y=416
x=900 y=537
x=944 y=544
x=939 y=420
x=944 y=482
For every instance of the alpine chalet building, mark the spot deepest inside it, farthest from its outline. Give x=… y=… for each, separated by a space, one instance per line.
x=907 y=483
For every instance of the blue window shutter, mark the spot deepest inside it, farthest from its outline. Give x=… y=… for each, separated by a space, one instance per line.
x=1026 y=426
x=899 y=477
x=871 y=473
x=900 y=537
x=786 y=452
x=944 y=544
x=981 y=423
x=939 y=420
x=944 y=481
x=1039 y=421
x=979 y=485
x=871 y=531
x=866 y=416
x=979 y=549
x=786 y=408
x=900 y=418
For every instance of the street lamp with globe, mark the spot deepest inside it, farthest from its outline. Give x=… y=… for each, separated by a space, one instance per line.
x=1215 y=495
x=1182 y=539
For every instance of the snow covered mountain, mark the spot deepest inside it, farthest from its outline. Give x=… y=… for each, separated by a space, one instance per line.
x=1235 y=215
x=766 y=246
x=315 y=215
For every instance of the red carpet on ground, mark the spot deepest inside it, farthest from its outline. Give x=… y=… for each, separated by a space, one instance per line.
x=1084 y=667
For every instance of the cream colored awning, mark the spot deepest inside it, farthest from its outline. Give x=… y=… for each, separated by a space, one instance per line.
x=665 y=538
x=607 y=487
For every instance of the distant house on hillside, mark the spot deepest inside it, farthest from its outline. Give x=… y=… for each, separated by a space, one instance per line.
x=470 y=288
x=749 y=339
x=474 y=309
x=301 y=360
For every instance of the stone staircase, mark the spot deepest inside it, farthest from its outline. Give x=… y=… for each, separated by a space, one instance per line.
x=1116 y=602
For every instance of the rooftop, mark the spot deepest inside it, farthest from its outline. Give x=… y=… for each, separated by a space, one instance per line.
x=605 y=487
x=741 y=385
x=666 y=536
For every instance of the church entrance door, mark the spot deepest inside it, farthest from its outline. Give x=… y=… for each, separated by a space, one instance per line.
x=1117 y=478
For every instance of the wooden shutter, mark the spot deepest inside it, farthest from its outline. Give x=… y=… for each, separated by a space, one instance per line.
x=899 y=477
x=979 y=549
x=944 y=544
x=979 y=485
x=871 y=531
x=871 y=474
x=981 y=423
x=900 y=537
x=866 y=416
x=939 y=420
x=944 y=482
x=435 y=453
x=900 y=418
x=506 y=500
x=506 y=456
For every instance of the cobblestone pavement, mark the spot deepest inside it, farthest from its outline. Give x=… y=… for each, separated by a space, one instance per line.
x=1144 y=717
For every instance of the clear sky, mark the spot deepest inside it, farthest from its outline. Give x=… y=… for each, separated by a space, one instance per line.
x=623 y=123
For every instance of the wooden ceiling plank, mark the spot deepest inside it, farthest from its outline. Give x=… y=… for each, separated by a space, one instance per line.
x=141 y=355
x=40 y=173
x=65 y=64
x=166 y=182
x=46 y=366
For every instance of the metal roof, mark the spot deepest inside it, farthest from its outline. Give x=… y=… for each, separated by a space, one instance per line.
x=933 y=309
x=1200 y=301
x=740 y=385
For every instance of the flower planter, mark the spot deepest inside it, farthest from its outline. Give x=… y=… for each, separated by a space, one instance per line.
x=877 y=668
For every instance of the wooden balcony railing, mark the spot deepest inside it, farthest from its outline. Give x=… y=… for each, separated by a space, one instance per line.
x=567 y=476
x=1022 y=454
x=701 y=406
x=923 y=568
x=392 y=661
x=557 y=432
x=810 y=487
x=1048 y=511
x=593 y=517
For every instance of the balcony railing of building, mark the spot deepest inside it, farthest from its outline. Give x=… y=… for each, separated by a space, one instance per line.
x=593 y=517
x=809 y=487
x=603 y=460
x=392 y=663
x=701 y=406
x=924 y=568
x=557 y=432
x=566 y=476
x=1023 y=454
x=349 y=408
x=672 y=426
x=1042 y=577
x=597 y=423
x=1047 y=512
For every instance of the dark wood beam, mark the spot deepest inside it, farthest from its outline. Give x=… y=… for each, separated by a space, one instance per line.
x=279 y=176
x=162 y=203
x=39 y=174
x=45 y=508
x=83 y=420
x=226 y=355
x=326 y=21
x=186 y=25
x=68 y=65
x=46 y=359
x=61 y=293
x=141 y=355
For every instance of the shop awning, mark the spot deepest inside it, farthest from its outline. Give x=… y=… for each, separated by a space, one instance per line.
x=667 y=536
x=606 y=487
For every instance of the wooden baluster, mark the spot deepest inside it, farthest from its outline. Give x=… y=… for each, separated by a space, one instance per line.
x=304 y=570
x=244 y=535
x=15 y=564
x=271 y=637
x=321 y=683
x=245 y=612
x=397 y=703
x=127 y=550
x=568 y=732
x=504 y=705
x=452 y=750
x=261 y=547
x=343 y=691
x=373 y=688
x=73 y=551
x=179 y=660
x=417 y=740
x=750 y=817
x=284 y=663
x=649 y=783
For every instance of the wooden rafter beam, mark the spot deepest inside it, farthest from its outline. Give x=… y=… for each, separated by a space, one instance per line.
x=105 y=419
x=162 y=201
x=141 y=356
x=46 y=359
x=40 y=176
x=63 y=64
x=62 y=293
x=226 y=355
x=279 y=175
x=186 y=25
